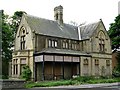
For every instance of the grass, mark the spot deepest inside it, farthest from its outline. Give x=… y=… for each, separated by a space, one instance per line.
x=75 y=81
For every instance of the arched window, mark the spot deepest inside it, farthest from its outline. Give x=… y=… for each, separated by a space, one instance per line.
x=22 y=38
x=101 y=41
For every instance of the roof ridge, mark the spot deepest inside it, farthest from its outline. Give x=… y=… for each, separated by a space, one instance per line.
x=49 y=20
x=39 y=17
x=52 y=28
x=90 y=23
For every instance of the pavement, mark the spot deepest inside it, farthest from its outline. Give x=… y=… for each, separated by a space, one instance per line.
x=101 y=85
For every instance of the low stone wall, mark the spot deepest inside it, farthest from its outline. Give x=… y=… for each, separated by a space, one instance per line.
x=11 y=84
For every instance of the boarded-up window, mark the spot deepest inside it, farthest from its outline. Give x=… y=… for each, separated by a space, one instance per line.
x=108 y=70
x=96 y=67
x=96 y=70
x=22 y=64
x=48 y=58
x=58 y=58
x=108 y=67
x=23 y=61
x=85 y=70
x=39 y=58
x=75 y=59
x=67 y=58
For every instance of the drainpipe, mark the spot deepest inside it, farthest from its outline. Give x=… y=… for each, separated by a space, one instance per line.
x=79 y=32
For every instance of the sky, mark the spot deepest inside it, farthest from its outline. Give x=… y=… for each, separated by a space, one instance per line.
x=79 y=11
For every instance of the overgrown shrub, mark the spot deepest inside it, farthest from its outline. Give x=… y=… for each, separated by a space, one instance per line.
x=26 y=74
x=3 y=76
x=115 y=73
x=83 y=78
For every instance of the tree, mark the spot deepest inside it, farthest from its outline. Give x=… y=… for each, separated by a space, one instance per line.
x=114 y=33
x=76 y=24
x=73 y=23
x=118 y=60
x=15 y=20
x=7 y=38
x=9 y=28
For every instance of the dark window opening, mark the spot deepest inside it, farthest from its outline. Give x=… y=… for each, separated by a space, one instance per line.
x=22 y=42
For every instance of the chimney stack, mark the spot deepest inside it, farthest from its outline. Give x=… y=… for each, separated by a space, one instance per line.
x=58 y=14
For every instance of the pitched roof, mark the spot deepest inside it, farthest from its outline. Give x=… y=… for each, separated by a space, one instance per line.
x=52 y=28
x=87 y=30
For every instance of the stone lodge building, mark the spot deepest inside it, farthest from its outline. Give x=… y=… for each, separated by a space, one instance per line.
x=55 y=50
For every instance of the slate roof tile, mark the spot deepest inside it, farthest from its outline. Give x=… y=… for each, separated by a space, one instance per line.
x=52 y=28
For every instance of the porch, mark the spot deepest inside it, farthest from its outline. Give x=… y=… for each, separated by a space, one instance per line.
x=52 y=67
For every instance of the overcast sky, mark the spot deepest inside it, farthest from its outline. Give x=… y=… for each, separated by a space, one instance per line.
x=78 y=11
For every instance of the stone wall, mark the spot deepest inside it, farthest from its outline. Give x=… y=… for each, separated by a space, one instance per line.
x=11 y=84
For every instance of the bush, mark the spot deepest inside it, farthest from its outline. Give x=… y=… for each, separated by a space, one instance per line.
x=115 y=73
x=3 y=76
x=26 y=74
x=83 y=78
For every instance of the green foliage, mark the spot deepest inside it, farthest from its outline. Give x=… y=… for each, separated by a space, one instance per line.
x=26 y=74
x=104 y=80
x=118 y=61
x=114 y=33
x=15 y=20
x=7 y=39
x=115 y=72
x=50 y=83
x=75 y=81
x=83 y=78
x=9 y=29
x=103 y=71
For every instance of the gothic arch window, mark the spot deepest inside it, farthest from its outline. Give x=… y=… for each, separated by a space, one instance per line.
x=101 y=37
x=22 y=37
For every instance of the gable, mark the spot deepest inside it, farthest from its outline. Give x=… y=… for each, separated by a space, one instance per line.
x=87 y=30
x=24 y=30
x=101 y=30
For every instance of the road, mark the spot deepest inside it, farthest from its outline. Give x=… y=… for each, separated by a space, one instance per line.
x=104 y=86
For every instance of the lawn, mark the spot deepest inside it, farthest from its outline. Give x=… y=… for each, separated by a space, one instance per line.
x=75 y=81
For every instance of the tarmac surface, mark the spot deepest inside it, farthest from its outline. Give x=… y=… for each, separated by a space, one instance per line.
x=103 y=86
